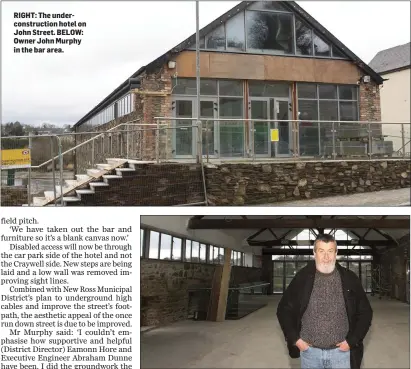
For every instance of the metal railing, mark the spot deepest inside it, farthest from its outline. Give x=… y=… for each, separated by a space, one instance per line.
x=231 y=139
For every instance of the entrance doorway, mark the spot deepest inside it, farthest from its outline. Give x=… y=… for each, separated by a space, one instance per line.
x=185 y=137
x=270 y=108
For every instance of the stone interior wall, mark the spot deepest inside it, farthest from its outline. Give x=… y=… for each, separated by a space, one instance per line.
x=242 y=184
x=394 y=264
x=165 y=296
x=13 y=195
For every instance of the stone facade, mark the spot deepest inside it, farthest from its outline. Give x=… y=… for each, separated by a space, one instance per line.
x=165 y=295
x=13 y=195
x=242 y=184
x=394 y=265
x=150 y=185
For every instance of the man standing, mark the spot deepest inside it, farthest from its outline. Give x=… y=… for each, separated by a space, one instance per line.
x=325 y=313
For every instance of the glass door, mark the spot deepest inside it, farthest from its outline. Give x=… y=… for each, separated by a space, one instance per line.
x=260 y=130
x=209 y=109
x=183 y=134
x=281 y=112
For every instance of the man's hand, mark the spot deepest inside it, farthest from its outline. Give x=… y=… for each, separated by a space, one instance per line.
x=343 y=346
x=302 y=345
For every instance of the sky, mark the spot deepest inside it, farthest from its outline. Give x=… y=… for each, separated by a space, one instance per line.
x=122 y=36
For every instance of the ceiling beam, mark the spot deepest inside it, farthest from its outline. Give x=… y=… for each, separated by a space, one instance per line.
x=256 y=234
x=298 y=223
x=291 y=252
x=278 y=243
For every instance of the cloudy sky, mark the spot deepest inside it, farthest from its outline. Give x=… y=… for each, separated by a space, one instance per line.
x=120 y=37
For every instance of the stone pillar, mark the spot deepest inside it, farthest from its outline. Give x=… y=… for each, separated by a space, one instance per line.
x=267 y=271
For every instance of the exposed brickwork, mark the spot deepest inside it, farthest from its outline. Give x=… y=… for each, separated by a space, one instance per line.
x=165 y=287
x=13 y=195
x=242 y=184
x=370 y=106
x=151 y=184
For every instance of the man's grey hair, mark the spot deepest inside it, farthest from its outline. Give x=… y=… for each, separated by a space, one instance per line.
x=325 y=238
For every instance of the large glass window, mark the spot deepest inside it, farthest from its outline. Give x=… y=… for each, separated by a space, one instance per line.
x=235 y=32
x=165 y=247
x=321 y=47
x=176 y=251
x=231 y=132
x=303 y=38
x=154 y=244
x=216 y=39
x=267 y=89
x=267 y=31
x=230 y=88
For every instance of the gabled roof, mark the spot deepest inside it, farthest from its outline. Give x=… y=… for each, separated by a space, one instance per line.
x=290 y=5
x=391 y=59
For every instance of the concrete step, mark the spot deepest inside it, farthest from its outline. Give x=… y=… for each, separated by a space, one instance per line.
x=93 y=172
x=98 y=184
x=107 y=177
x=120 y=171
x=49 y=195
x=116 y=161
x=70 y=199
x=39 y=201
x=82 y=177
x=104 y=166
x=85 y=192
x=70 y=183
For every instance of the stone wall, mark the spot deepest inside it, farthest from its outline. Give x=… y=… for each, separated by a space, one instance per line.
x=165 y=295
x=394 y=265
x=13 y=195
x=241 y=184
x=151 y=185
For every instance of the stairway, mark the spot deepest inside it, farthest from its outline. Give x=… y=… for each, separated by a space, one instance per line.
x=85 y=184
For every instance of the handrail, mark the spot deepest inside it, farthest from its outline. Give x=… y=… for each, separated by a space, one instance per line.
x=278 y=120
x=83 y=143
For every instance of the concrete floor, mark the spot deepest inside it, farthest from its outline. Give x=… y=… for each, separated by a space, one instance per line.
x=257 y=342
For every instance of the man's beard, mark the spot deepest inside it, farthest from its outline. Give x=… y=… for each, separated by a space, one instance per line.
x=325 y=268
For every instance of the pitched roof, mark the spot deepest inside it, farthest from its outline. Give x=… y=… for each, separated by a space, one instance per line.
x=291 y=5
x=394 y=58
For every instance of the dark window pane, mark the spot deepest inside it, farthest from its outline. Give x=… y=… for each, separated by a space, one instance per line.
x=304 y=38
x=216 y=39
x=231 y=107
x=184 y=86
x=321 y=48
x=258 y=88
x=328 y=110
x=269 y=31
x=348 y=111
x=347 y=92
x=307 y=91
x=231 y=88
x=327 y=91
x=235 y=32
x=338 y=53
x=267 y=5
x=208 y=87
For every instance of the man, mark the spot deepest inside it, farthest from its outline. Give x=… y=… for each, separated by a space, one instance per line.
x=324 y=313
